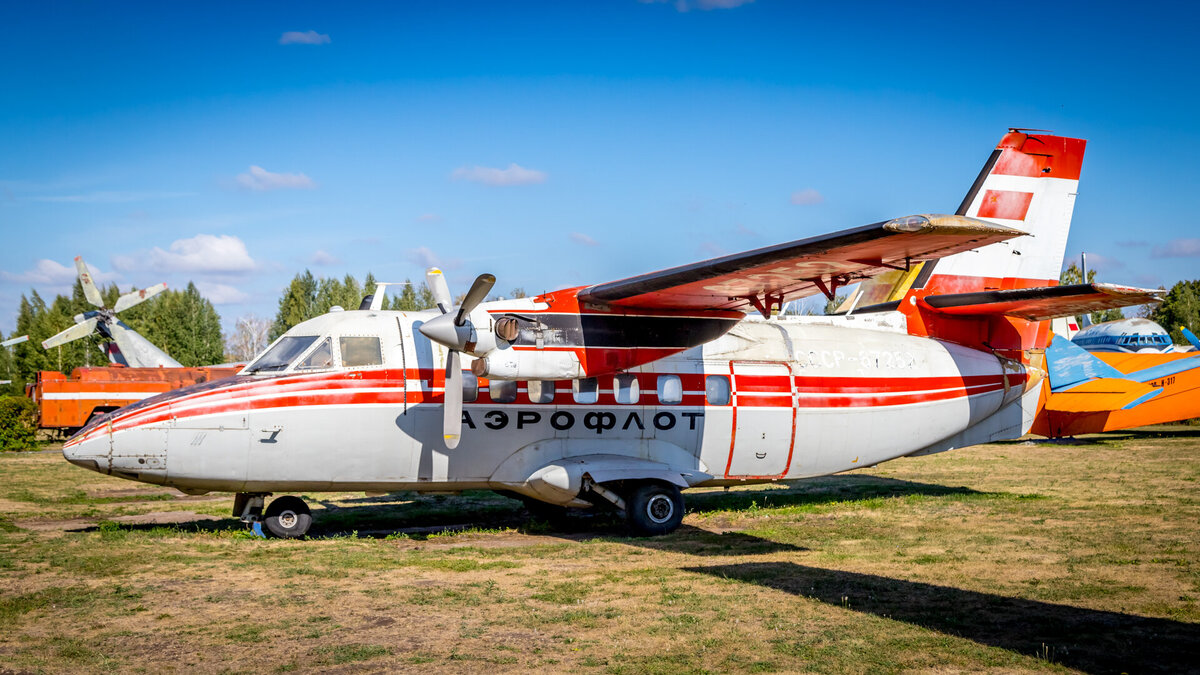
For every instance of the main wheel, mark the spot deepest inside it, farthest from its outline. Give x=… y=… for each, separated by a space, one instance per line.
x=287 y=517
x=652 y=509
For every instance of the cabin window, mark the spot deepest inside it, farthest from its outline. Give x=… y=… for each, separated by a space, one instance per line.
x=540 y=391
x=670 y=389
x=321 y=357
x=586 y=391
x=360 y=351
x=626 y=389
x=278 y=357
x=716 y=389
x=470 y=387
x=502 y=391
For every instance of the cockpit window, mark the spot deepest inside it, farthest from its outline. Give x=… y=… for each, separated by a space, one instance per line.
x=321 y=357
x=284 y=352
x=360 y=351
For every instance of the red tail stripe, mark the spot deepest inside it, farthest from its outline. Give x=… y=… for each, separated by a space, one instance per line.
x=1005 y=204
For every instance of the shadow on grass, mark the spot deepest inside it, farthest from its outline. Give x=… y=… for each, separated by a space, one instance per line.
x=1138 y=434
x=422 y=516
x=1089 y=640
x=825 y=490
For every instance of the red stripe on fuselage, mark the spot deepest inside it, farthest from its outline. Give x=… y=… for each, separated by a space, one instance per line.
x=753 y=390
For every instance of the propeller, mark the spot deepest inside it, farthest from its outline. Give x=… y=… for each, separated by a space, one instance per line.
x=102 y=317
x=14 y=341
x=456 y=331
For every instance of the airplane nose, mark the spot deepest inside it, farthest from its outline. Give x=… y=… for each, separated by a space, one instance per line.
x=90 y=453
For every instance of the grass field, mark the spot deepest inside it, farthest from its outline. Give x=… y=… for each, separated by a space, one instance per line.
x=1005 y=557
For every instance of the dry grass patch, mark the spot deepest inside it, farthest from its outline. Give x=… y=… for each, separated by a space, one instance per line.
x=1008 y=557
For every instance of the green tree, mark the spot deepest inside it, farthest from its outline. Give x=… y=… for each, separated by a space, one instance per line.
x=1180 y=307
x=297 y=304
x=1073 y=275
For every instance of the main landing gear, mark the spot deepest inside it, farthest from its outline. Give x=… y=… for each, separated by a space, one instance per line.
x=651 y=508
x=287 y=517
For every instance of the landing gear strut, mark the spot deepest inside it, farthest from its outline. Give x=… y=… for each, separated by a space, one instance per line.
x=287 y=517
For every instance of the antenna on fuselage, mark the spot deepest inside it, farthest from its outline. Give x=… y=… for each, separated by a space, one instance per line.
x=374 y=301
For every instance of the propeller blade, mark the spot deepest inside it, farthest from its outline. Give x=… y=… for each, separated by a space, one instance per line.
x=452 y=419
x=137 y=297
x=75 y=332
x=14 y=341
x=85 y=279
x=441 y=292
x=479 y=290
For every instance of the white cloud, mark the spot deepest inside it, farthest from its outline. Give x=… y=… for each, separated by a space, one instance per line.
x=112 y=197
x=429 y=218
x=261 y=180
x=203 y=253
x=220 y=294
x=50 y=273
x=308 y=37
x=807 y=197
x=581 y=238
x=322 y=257
x=513 y=175
x=1178 y=248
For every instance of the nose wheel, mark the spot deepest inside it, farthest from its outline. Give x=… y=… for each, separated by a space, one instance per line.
x=287 y=518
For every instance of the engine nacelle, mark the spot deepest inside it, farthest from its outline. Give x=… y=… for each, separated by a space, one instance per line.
x=512 y=364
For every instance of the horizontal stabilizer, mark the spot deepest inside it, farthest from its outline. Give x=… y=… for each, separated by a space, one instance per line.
x=1044 y=302
x=776 y=274
x=1101 y=395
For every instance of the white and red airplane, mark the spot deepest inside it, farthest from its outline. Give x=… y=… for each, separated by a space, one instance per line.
x=623 y=393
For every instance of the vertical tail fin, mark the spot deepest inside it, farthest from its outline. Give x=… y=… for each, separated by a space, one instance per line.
x=1029 y=182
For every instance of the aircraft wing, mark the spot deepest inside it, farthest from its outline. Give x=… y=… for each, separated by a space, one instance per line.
x=1044 y=302
x=776 y=274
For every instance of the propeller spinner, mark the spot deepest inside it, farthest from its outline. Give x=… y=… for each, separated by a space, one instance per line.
x=456 y=331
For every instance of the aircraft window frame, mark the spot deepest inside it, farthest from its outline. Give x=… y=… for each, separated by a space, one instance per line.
x=342 y=351
x=670 y=390
x=545 y=391
x=721 y=394
x=289 y=352
x=326 y=344
x=470 y=387
x=626 y=389
x=585 y=396
x=502 y=391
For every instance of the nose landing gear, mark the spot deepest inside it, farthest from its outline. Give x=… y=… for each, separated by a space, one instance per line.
x=287 y=517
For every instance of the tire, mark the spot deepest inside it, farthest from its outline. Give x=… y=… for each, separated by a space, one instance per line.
x=654 y=509
x=287 y=518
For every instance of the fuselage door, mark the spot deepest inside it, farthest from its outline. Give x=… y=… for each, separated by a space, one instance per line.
x=764 y=420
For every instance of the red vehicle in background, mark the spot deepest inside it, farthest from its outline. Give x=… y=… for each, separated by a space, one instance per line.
x=68 y=403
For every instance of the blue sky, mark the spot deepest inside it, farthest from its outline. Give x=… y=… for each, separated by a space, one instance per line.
x=560 y=143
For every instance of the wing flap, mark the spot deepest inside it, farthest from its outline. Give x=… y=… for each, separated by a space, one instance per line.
x=777 y=274
x=1044 y=302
